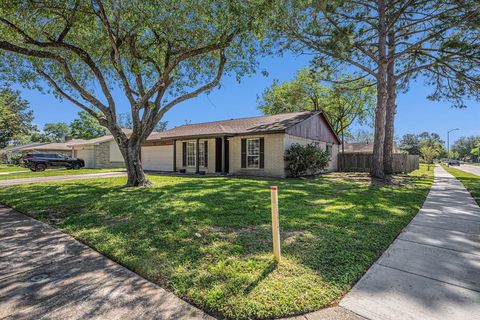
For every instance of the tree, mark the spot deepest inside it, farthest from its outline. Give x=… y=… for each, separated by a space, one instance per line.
x=158 y=53
x=464 y=146
x=413 y=143
x=390 y=43
x=56 y=131
x=342 y=104
x=15 y=117
x=410 y=143
x=360 y=136
x=429 y=154
x=125 y=121
x=86 y=127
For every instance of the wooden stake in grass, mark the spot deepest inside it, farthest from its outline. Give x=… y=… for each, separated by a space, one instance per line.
x=275 y=223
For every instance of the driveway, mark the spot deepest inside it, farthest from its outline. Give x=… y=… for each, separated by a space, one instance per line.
x=432 y=270
x=46 y=274
x=13 y=182
x=469 y=168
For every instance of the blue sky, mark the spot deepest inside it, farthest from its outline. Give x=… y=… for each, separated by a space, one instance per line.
x=415 y=112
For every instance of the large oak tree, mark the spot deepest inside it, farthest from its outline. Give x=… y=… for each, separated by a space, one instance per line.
x=159 y=53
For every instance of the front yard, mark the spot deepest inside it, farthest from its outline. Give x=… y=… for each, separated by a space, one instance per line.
x=10 y=168
x=209 y=239
x=51 y=173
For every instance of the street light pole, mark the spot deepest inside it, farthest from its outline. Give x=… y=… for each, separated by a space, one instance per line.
x=448 y=144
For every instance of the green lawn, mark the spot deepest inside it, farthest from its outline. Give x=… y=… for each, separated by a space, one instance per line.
x=50 y=173
x=209 y=239
x=10 y=168
x=470 y=181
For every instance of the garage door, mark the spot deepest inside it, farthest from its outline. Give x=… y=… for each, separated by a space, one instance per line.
x=157 y=158
x=87 y=156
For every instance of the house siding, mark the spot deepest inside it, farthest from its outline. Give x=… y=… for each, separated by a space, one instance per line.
x=274 y=156
x=332 y=165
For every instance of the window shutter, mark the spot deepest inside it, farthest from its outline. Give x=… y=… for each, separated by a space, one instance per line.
x=262 y=153
x=244 y=153
x=184 y=154
x=205 y=153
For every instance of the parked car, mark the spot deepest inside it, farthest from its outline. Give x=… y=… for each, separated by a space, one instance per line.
x=454 y=163
x=42 y=161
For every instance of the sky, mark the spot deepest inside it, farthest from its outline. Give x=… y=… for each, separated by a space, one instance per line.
x=415 y=112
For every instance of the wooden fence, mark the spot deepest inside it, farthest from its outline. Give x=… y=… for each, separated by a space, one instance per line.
x=361 y=162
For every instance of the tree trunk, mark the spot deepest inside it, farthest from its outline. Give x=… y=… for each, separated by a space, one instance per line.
x=131 y=155
x=133 y=163
x=390 y=107
x=377 y=169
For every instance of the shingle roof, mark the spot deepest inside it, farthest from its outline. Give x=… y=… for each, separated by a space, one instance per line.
x=273 y=123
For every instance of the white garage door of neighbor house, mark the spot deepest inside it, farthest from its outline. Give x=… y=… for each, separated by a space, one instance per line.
x=157 y=158
x=87 y=156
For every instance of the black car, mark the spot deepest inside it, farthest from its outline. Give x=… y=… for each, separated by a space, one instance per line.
x=42 y=161
x=454 y=163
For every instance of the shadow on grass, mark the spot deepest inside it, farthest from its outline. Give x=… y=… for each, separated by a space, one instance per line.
x=209 y=239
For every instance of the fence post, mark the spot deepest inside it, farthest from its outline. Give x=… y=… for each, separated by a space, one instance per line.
x=275 y=223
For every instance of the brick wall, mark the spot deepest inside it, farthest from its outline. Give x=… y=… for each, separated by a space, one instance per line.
x=102 y=157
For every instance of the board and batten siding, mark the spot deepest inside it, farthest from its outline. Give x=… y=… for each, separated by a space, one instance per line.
x=314 y=128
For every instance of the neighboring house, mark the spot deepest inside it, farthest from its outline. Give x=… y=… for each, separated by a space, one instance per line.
x=363 y=147
x=40 y=147
x=248 y=146
x=102 y=152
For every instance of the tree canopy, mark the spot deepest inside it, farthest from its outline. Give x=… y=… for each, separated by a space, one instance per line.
x=390 y=43
x=86 y=127
x=159 y=53
x=413 y=143
x=15 y=117
x=464 y=145
x=344 y=104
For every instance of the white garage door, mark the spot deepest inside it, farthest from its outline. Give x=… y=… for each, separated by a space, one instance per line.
x=157 y=158
x=87 y=156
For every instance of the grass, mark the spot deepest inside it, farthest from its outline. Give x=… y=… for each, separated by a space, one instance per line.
x=209 y=239
x=470 y=181
x=10 y=168
x=51 y=173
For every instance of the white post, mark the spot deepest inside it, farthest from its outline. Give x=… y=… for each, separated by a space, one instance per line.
x=275 y=223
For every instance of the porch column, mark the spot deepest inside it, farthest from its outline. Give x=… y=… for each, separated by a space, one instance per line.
x=197 y=156
x=223 y=154
x=174 y=155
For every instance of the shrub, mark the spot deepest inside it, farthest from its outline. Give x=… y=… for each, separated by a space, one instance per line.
x=15 y=158
x=305 y=159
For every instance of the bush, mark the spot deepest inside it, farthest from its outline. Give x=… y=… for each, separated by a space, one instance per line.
x=304 y=160
x=16 y=158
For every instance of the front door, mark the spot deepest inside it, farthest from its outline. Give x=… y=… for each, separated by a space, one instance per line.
x=218 y=155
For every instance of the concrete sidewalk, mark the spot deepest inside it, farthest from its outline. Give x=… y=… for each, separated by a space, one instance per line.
x=13 y=182
x=46 y=274
x=469 y=168
x=432 y=270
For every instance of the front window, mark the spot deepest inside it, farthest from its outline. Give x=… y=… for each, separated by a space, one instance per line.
x=253 y=153
x=191 y=154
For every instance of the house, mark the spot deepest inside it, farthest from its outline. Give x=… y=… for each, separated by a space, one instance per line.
x=247 y=146
x=102 y=152
x=40 y=147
